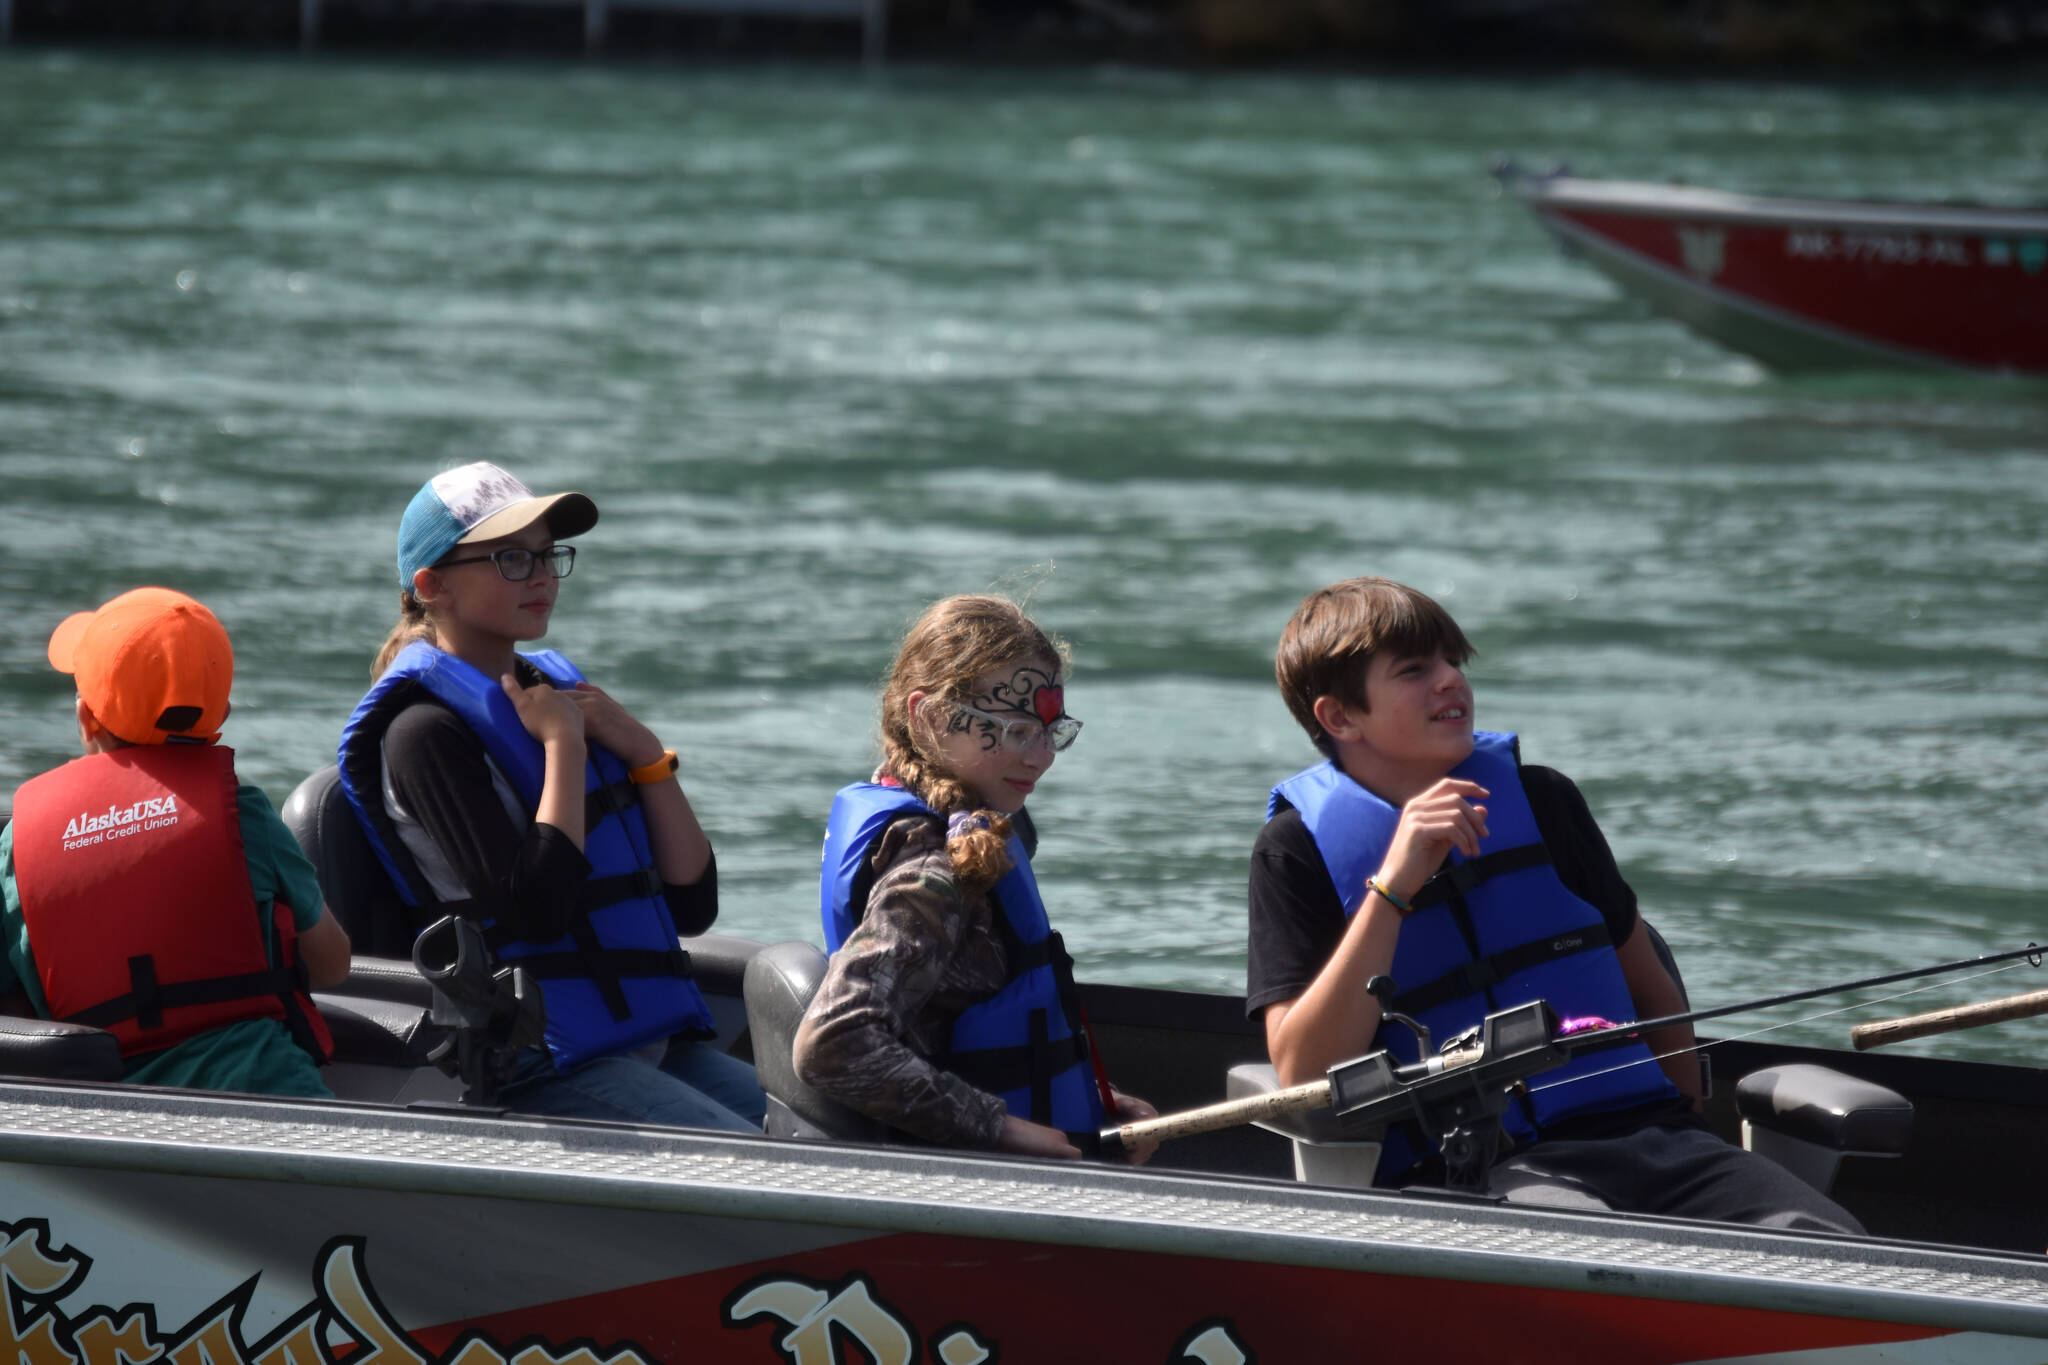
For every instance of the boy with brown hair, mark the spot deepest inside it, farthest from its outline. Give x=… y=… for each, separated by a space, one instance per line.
x=1424 y=850
x=144 y=890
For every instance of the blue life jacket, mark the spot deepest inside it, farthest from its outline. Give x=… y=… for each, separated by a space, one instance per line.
x=1487 y=933
x=618 y=978
x=1026 y=1043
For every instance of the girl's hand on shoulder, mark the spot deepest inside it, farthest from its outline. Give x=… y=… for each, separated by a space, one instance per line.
x=549 y=716
x=1131 y=1109
x=611 y=725
x=1025 y=1138
x=1434 y=822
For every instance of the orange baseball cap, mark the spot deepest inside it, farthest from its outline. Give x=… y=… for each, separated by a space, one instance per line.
x=154 y=666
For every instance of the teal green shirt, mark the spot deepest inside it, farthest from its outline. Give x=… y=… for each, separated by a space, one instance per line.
x=256 y=1056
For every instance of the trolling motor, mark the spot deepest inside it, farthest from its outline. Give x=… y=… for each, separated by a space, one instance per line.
x=490 y=1012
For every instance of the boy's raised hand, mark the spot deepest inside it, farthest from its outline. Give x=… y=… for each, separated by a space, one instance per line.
x=1437 y=820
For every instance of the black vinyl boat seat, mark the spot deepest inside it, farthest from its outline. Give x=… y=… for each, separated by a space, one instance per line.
x=45 y=1049
x=779 y=984
x=1807 y=1118
x=358 y=892
x=1804 y=1117
x=381 y=1044
x=367 y=1032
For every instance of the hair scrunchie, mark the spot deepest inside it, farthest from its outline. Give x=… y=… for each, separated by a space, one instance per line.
x=966 y=822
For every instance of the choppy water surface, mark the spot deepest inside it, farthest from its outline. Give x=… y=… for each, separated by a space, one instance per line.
x=1165 y=351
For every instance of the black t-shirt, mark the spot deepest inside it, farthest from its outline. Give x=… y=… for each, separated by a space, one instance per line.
x=1297 y=918
x=526 y=877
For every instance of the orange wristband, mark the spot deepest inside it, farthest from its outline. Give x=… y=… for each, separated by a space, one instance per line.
x=660 y=770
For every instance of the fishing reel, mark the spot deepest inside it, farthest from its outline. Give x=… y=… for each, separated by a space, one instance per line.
x=1459 y=1093
x=490 y=1011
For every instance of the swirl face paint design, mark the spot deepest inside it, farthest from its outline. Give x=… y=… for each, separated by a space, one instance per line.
x=1030 y=694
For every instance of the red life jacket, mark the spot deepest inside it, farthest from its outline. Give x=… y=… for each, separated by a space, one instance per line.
x=140 y=912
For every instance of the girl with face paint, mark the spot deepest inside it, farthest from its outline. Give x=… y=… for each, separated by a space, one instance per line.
x=941 y=948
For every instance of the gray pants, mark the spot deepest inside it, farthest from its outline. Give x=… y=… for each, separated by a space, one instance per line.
x=1680 y=1172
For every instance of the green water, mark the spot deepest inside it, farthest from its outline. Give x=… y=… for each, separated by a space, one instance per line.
x=1165 y=351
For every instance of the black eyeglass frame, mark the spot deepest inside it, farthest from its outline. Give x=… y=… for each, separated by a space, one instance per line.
x=560 y=559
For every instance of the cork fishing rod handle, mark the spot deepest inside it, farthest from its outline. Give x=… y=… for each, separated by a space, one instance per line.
x=1883 y=1031
x=1228 y=1114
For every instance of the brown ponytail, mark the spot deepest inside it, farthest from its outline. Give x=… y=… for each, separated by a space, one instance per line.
x=953 y=643
x=413 y=624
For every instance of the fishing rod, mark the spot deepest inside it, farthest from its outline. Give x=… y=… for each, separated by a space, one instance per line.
x=1615 y=1035
x=1877 y=1034
x=1461 y=1091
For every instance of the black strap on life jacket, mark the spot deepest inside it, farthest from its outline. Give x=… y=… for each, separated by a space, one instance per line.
x=1460 y=878
x=147 y=997
x=604 y=967
x=1027 y=1066
x=300 y=1026
x=602 y=802
x=598 y=892
x=1472 y=978
x=1450 y=887
x=1033 y=1064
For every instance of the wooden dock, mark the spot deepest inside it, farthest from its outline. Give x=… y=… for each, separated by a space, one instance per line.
x=871 y=15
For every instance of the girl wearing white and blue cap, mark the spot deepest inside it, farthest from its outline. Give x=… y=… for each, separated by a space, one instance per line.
x=501 y=786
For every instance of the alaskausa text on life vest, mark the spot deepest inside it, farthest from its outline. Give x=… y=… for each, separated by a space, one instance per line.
x=85 y=822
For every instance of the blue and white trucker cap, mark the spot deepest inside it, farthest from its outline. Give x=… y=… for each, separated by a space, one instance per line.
x=479 y=502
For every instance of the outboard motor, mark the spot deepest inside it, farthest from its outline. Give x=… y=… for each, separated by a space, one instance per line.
x=490 y=1011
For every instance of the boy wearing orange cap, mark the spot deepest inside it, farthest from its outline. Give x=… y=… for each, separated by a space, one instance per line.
x=144 y=890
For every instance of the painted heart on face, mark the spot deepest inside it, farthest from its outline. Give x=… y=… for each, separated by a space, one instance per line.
x=1049 y=703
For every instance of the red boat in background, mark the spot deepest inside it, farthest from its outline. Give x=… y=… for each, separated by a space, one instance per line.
x=1806 y=284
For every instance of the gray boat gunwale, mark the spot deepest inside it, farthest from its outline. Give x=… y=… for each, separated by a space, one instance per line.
x=360 y=1145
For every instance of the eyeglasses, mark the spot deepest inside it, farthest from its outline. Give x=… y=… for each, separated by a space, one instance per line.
x=1018 y=734
x=516 y=563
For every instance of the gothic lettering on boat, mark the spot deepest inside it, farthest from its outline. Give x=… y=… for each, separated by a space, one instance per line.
x=818 y=1316
x=815 y=1320
x=34 y=1330
x=811 y=1322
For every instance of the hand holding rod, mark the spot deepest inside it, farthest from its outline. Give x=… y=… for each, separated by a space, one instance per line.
x=1882 y=1031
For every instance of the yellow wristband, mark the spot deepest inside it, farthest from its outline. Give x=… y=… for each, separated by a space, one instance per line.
x=660 y=770
x=1403 y=908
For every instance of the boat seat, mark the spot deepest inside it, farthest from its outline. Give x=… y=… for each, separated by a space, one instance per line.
x=359 y=894
x=1807 y=1118
x=49 y=1050
x=780 y=981
x=377 y=1032
x=381 y=1045
x=1325 y=1151
x=385 y=978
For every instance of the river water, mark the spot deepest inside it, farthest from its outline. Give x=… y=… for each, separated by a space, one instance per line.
x=1162 y=351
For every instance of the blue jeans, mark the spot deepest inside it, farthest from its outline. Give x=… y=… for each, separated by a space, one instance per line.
x=695 y=1086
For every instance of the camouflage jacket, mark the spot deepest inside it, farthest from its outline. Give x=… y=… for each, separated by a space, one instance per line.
x=921 y=954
